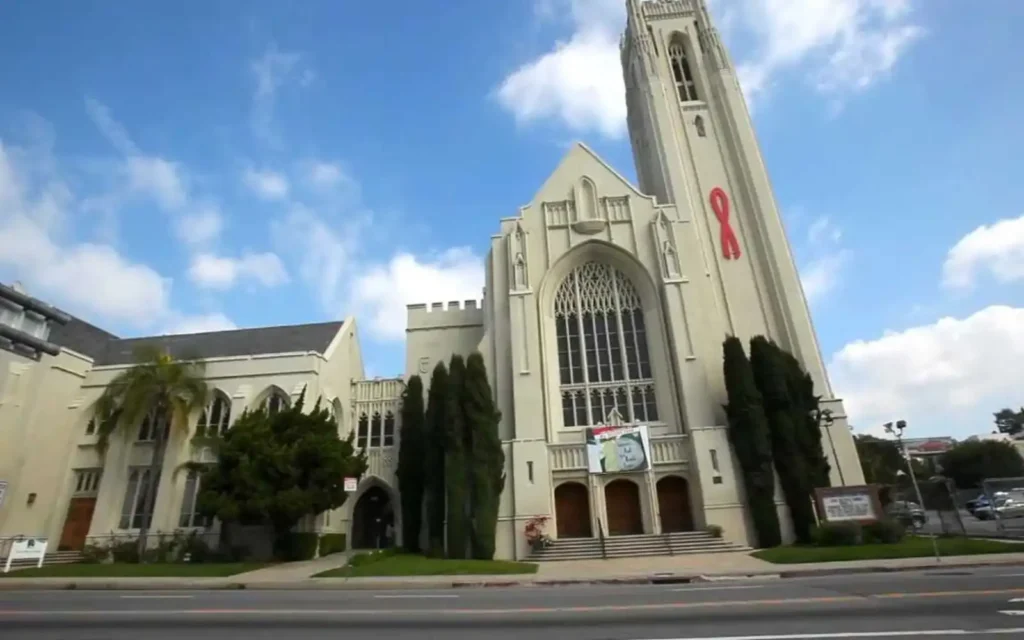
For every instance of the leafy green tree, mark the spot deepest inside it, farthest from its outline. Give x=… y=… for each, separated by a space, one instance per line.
x=158 y=388
x=880 y=459
x=456 y=459
x=276 y=469
x=1009 y=421
x=411 y=471
x=749 y=435
x=434 y=454
x=771 y=376
x=972 y=461
x=487 y=459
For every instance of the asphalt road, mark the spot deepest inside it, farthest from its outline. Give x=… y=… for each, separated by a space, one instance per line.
x=939 y=603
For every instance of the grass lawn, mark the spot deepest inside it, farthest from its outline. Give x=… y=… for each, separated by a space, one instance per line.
x=116 y=570
x=413 y=565
x=911 y=547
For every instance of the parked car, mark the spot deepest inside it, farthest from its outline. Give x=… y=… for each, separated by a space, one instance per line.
x=909 y=513
x=1005 y=508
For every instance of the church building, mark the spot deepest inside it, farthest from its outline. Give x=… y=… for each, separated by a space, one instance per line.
x=602 y=318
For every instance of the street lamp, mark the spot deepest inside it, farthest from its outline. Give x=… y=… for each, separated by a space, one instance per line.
x=897 y=431
x=825 y=415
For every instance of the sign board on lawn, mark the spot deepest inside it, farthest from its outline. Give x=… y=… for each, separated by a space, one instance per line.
x=28 y=549
x=857 y=503
x=351 y=484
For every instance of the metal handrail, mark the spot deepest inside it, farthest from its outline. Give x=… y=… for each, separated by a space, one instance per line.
x=600 y=535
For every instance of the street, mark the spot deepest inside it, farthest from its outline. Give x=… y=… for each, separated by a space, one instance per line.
x=972 y=603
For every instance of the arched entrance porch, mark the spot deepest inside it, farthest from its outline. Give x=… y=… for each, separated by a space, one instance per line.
x=572 y=510
x=674 y=504
x=373 y=520
x=622 y=502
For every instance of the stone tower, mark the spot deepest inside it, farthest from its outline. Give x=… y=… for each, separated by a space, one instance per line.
x=694 y=146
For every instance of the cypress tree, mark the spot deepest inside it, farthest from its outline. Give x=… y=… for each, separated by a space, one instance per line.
x=410 y=464
x=434 y=454
x=771 y=376
x=748 y=433
x=487 y=458
x=808 y=429
x=455 y=472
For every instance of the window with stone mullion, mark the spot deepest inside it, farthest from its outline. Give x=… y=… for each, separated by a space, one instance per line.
x=603 y=364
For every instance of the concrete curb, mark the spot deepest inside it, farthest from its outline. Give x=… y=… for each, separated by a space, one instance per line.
x=369 y=584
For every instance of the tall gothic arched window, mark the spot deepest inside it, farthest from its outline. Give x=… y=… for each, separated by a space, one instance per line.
x=681 y=72
x=603 y=360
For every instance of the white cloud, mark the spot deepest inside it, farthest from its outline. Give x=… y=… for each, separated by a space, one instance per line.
x=824 y=272
x=382 y=292
x=218 y=272
x=842 y=46
x=997 y=249
x=90 y=279
x=326 y=175
x=268 y=185
x=272 y=71
x=202 y=225
x=200 y=324
x=945 y=378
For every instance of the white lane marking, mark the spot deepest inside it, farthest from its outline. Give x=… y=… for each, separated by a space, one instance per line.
x=870 y=634
x=1012 y=612
x=1009 y=575
x=1016 y=599
x=728 y=588
x=422 y=595
x=151 y=596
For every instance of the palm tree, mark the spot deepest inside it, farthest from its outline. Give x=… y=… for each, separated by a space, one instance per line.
x=163 y=388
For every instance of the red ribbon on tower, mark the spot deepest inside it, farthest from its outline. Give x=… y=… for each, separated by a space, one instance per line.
x=720 y=205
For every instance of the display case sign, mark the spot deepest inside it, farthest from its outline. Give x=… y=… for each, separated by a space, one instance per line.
x=849 y=504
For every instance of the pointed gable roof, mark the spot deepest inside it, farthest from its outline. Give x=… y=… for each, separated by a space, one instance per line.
x=582 y=160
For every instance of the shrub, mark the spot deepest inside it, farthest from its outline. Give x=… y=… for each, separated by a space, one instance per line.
x=127 y=552
x=714 y=530
x=887 y=531
x=95 y=554
x=332 y=543
x=838 y=534
x=296 y=545
x=195 y=550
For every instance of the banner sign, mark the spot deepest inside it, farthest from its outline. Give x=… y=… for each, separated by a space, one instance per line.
x=618 y=449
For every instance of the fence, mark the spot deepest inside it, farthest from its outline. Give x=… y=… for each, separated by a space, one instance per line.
x=1001 y=506
x=940 y=512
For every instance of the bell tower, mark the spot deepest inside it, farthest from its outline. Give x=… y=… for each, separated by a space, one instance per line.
x=695 y=150
x=694 y=146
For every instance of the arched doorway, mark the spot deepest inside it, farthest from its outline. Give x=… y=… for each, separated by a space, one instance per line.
x=622 y=500
x=674 y=504
x=572 y=510
x=371 y=518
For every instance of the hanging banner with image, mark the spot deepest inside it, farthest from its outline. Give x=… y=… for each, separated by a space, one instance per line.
x=618 y=449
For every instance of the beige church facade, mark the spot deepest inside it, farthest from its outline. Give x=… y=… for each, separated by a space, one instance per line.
x=605 y=304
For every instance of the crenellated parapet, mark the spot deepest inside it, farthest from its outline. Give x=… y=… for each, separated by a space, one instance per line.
x=436 y=315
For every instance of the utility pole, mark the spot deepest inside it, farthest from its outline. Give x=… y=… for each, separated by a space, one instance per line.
x=897 y=431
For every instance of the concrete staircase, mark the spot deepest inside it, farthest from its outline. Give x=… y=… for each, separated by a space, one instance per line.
x=667 y=544
x=57 y=557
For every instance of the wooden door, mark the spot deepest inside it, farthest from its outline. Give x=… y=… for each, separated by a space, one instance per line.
x=76 y=524
x=674 y=504
x=572 y=510
x=622 y=500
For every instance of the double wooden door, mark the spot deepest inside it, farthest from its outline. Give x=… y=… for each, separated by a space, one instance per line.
x=572 y=510
x=77 y=523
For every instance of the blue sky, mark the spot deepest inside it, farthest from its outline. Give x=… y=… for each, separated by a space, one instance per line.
x=251 y=163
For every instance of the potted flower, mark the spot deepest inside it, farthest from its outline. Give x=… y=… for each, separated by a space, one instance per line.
x=535 y=535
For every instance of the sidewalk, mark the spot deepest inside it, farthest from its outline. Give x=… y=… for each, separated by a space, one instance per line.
x=675 y=569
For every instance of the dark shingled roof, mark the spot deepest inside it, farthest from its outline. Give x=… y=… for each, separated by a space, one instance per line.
x=225 y=344
x=81 y=337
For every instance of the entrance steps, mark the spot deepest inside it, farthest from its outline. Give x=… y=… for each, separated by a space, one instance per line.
x=666 y=544
x=57 y=557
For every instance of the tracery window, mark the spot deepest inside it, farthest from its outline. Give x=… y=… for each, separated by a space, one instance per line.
x=603 y=359
x=681 y=72
x=215 y=418
x=274 y=402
